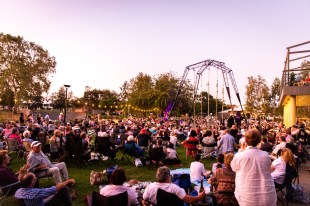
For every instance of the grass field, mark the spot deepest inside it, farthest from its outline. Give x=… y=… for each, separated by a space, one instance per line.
x=80 y=172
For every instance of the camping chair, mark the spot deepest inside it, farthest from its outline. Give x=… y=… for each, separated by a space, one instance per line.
x=98 y=199
x=27 y=147
x=12 y=145
x=129 y=152
x=156 y=154
x=5 y=191
x=167 y=199
x=105 y=147
x=286 y=188
x=75 y=150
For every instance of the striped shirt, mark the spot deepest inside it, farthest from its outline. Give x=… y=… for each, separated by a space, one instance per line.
x=34 y=196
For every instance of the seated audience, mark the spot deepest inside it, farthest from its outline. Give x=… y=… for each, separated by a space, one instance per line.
x=55 y=195
x=7 y=175
x=42 y=166
x=144 y=138
x=219 y=163
x=223 y=181
x=55 y=144
x=157 y=152
x=7 y=130
x=171 y=158
x=265 y=145
x=131 y=145
x=174 y=138
x=27 y=136
x=278 y=166
x=164 y=182
x=197 y=170
x=116 y=187
x=282 y=144
x=15 y=135
x=208 y=143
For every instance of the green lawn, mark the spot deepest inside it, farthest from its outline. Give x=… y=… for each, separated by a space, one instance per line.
x=80 y=172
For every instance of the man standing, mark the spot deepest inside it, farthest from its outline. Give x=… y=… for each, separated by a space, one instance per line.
x=55 y=195
x=227 y=143
x=42 y=166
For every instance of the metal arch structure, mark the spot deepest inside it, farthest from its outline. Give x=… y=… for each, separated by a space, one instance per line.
x=202 y=66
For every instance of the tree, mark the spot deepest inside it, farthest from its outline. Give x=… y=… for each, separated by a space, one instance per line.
x=257 y=96
x=212 y=104
x=104 y=99
x=58 y=98
x=185 y=100
x=141 y=91
x=165 y=85
x=305 y=69
x=274 y=96
x=24 y=67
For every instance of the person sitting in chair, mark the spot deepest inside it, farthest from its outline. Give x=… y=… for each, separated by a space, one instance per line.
x=278 y=166
x=224 y=182
x=55 y=195
x=116 y=187
x=7 y=175
x=164 y=182
x=157 y=153
x=42 y=166
x=130 y=144
x=171 y=158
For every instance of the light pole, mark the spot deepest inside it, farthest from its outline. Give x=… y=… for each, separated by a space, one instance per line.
x=66 y=100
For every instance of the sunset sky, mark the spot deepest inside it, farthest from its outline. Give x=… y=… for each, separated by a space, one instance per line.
x=101 y=43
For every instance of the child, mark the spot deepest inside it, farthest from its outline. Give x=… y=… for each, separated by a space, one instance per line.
x=219 y=163
x=172 y=158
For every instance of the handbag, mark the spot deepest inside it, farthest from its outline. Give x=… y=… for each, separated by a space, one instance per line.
x=138 y=162
x=97 y=178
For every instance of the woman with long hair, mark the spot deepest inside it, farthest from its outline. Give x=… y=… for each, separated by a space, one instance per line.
x=55 y=144
x=278 y=166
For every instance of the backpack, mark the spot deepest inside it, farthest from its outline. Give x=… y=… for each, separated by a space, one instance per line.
x=110 y=170
x=299 y=195
x=182 y=180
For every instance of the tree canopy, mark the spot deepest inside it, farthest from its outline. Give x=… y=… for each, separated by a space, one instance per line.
x=24 y=67
x=257 y=96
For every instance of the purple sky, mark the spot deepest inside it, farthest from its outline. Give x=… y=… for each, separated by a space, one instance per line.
x=101 y=44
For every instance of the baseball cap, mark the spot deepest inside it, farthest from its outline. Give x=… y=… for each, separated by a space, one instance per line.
x=35 y=143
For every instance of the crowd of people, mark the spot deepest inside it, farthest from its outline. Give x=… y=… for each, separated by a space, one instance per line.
x=247 y=163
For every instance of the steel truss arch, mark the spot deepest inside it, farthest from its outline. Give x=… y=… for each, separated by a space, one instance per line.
x=202 y=66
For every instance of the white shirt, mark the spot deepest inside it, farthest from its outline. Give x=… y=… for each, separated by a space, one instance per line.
x=151 y=191
x=112 y=190
x=254 y=184
x=172 y=153
x=173 y=140
x=278 y=175
x=197 y=169
x=278 y=147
